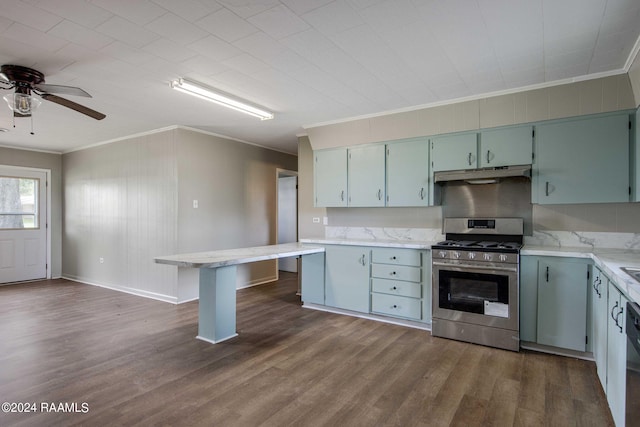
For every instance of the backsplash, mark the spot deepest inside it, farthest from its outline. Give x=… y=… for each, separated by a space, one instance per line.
x=384 y=233
x=560 y=239
x=583 y=239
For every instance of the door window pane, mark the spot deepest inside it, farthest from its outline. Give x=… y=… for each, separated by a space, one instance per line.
x=18 y=203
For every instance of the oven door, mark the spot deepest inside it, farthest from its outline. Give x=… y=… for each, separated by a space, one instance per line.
x=480 y=294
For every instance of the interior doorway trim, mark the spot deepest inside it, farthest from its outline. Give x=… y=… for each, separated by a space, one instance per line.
x=283 y=173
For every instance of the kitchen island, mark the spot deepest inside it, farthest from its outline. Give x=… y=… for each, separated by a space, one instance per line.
x=217 y=305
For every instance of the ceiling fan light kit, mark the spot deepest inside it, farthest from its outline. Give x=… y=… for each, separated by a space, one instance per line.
x=25 y=81
x=22 y=103
x=203 y=92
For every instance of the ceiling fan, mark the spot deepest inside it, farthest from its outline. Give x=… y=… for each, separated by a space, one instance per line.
x=27 y=80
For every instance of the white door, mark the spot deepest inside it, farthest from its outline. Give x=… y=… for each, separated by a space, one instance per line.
x=23 y=226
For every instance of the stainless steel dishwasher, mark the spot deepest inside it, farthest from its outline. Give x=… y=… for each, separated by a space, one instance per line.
x=632 y=404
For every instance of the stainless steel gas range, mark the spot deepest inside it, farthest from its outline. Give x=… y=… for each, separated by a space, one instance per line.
x=476 y=281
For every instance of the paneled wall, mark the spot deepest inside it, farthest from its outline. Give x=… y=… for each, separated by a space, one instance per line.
x=129 y=201
x=575 y=99
x=120 y=211
x=589 y=97
x=52 y=162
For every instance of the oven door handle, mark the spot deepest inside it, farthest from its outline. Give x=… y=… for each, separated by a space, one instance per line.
x=475 y=267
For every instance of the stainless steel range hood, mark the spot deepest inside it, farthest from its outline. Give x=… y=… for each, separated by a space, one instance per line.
x=483 y=176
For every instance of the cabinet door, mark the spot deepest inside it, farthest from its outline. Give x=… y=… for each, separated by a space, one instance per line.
x=562 y=304
x=599 y=290
x=347 y=278
x=454 y=152
x=506 y=147
x=408 y=173
x=528 y=298
x=312 y=278
x=617 y=354
x=582 y=161
x=330 y=177
x=366 y=176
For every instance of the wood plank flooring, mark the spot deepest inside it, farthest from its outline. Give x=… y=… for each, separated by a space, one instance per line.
x=136 y=361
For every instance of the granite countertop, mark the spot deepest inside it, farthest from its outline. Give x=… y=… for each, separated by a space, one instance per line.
x=225 y=257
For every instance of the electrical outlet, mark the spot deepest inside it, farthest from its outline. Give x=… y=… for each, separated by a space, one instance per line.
x=325 y=220
x=101 y=260
x=316 y=220
x=195 y=204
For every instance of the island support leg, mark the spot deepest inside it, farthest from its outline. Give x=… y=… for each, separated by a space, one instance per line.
x=217 y=305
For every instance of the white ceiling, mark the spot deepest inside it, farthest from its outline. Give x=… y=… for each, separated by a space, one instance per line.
x=309 y=61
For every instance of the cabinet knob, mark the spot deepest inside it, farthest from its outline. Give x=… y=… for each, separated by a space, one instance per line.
x=394 y=306
x=395 y=288
x=393 y=273
x=393 y=258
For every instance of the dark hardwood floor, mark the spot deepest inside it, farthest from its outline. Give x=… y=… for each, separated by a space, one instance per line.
x=136 y=361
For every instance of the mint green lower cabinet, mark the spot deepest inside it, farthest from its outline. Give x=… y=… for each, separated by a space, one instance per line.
x=347 y=277
x=599 y=292
x=312 y=278
x=401 y=283
x=617 y=354
x=562 y=303
x=528 y=298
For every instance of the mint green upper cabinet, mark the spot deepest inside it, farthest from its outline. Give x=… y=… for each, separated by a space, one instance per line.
x=454 y=152
x=366 y=178
x=408 y=173
x=330 y=177
x=562 y=303
x=506 y=146
x=347 y=277
x=582 y=161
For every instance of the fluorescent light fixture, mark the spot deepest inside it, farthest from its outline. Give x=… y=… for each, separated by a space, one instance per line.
x=209 y=94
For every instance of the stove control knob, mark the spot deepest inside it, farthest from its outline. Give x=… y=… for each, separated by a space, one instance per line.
x=487 y=257
x=443 y=254
x=456 y=254
x=471 y=255
x=503 y=258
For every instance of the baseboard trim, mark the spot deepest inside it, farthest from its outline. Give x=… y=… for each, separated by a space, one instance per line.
x=383 y=319
x=132 y=291
x=526 y=345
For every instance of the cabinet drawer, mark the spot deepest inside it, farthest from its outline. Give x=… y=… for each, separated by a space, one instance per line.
x=396 y=287
x=395 y=256
x=396 y=306
x=396 y=272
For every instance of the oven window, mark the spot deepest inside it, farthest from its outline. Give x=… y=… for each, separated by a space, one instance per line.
x=470 y=292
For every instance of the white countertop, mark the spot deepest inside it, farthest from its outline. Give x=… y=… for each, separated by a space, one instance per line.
x=608 y=260
x=403 y=244
x=225 y=257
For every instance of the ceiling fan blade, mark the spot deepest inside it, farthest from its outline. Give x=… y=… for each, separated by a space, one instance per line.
x=65 y=90
x=70 y=104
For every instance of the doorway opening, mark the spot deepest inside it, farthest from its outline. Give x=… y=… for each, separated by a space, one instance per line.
x=287 y=213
